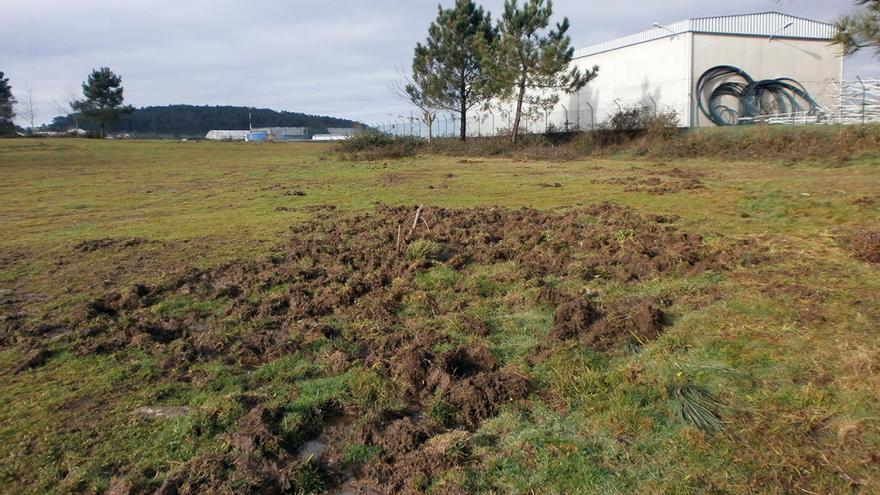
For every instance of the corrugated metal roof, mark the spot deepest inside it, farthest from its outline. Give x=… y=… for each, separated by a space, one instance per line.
x=760 y=24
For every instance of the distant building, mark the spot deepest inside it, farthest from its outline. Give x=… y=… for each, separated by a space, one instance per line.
x=281 y=134
x=336 y=134
x=227 y=135
x=342 y=131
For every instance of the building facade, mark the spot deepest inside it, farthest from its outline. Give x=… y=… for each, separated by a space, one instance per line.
x=710 y=71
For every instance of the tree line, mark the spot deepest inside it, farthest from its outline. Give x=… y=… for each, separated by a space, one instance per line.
x=196 y=120
x=102 y=109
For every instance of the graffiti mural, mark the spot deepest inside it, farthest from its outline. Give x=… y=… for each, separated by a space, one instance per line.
x=730 y=96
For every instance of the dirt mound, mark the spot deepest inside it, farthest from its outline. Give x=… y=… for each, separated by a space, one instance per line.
x=412 y=454
x=259 y=458
x=573 y=317
x=477 y=398
x=257 y=462
x=637 y=321
x=866 y=246
x=365 y=271
x=466 y=378
x=401 y=437
x=411 y=473
x=632 y=321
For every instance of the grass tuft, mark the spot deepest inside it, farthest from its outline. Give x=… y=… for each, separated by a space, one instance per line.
x=695 y=406
x=422 y=249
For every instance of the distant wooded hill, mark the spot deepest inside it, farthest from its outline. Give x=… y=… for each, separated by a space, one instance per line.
x=195 y=121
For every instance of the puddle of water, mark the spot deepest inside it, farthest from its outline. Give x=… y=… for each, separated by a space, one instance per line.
x=346 y=488
x=313 y=449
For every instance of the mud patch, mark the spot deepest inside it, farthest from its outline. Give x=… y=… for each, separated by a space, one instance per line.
x=658 y=182
x=629 y=322
x=259 y=460
x=866 y=246
x=33 y=359
x=364 y=273
x=108 y=243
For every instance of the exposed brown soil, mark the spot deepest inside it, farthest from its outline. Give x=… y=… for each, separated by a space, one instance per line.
x=866 y=246
x=658 y=182
x=94 y=245
x=631 y=321
x=335 y=271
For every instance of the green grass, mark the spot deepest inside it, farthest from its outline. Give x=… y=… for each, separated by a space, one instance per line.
x=785 y=354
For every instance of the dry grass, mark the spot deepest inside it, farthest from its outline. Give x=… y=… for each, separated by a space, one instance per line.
x=775 y=143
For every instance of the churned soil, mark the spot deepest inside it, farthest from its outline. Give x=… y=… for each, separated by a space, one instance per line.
x=344 y=278
x=866 y=246
x=658 y=182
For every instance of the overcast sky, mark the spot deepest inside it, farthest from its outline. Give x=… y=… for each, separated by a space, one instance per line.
x=330 y=57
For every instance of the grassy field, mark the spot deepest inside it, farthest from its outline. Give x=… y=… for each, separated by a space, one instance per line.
x=774 y=336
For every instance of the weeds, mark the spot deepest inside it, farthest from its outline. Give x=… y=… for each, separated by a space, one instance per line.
x=639 y=134
x=695 y=406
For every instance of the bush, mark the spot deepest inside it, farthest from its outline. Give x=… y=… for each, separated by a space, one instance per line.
x=632 y=118
x=372 y=145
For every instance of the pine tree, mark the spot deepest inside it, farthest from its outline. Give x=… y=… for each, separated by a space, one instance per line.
x=534 y=62
x=861 y=30
x=7 y=106
x=103 y=98
x=451 y=65
x=412 y=90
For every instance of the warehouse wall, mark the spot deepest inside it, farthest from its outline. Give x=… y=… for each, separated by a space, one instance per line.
x=656 y=69
x=818 y=65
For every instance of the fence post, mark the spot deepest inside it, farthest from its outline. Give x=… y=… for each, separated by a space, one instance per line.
x=864 y=100
x=592 y=116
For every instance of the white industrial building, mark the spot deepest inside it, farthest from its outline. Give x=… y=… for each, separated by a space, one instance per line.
x=281 y=134
x=661 y=68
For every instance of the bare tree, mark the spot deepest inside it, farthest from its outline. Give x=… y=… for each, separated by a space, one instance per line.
x=66 y=107
x=409 y=90
x=27 y=109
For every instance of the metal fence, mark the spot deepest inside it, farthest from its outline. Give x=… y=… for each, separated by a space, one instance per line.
x=852 y=103
x=479 y=124
x=855 y=103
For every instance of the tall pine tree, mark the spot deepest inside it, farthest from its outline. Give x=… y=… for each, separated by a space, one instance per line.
x=7 y=106
x=861 y=30
x=451 y=66
x=103 y=98
x=533 y=63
